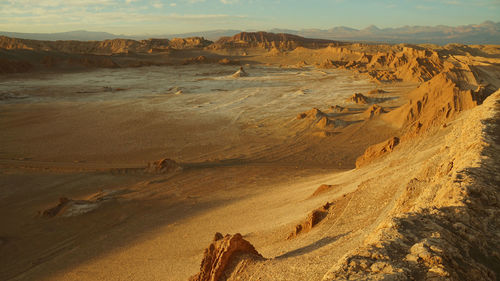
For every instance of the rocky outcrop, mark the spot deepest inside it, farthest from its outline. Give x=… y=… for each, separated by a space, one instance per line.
x=376 y=91
x=301 y=64
x=106 y=47
x=226 y=61
x=54 y=211
x=375 y=151
x=443 y=225
x=323 y=189
x=315 y=217
x=223 y=251
x=311 y=114
x=70 y=207
x=240 y=73
x=196 y=60
x=322 y=120
x=437 y=101
x=338 y=109
x=280 y=41
x=186 y=43
x=373 y=111
x=330 y=123
x=163 y=166
x=358 y=98
x=450 y=87
x=385 y=63
x=328 y=63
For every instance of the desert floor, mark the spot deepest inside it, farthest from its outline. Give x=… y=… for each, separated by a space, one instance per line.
x=249 y=166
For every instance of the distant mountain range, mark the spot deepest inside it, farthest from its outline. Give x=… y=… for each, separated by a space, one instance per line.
x=487 y=32
x=83 y=35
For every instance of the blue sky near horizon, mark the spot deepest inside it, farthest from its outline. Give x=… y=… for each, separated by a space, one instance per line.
x=179 y=16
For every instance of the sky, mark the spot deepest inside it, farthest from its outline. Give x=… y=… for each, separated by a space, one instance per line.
x=134 y=17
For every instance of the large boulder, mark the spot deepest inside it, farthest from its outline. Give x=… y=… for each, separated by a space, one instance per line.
x=240 y=73
x=221 y=252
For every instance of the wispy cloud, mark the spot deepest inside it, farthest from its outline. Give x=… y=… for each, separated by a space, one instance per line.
x=63 y=3
x=202 y=16
x=422 y=7
x=477 y=3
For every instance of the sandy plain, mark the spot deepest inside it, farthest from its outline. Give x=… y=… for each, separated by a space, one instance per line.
x=244 y=154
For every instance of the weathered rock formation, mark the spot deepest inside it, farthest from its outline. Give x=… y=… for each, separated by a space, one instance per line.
x=196 y=60
x=377 y=150
x=328 y=63
x=226 y=61
x=330 y=123
x=240 y=73
x=163 y=166
x=280 y=41
x=338 y=109
x=221 y=253
x=358 y=98
x=373 y=111
x=311 y=114
x=376 y=91
x=439 y=100
x=106 y=47
x=451 y=86
x=70 y=207
x=443 y=225
x=54 y=211
x=323 y=189
x=315 y=217
x=322 y=120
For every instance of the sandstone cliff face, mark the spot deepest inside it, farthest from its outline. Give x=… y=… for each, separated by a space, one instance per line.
x=436 y=102
x=221 y=253
x=450 y=87
x=405 y=64
x=189 y=43
x=443 y=224
x=106 y=47
x=281 y=41
x=382 y=63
